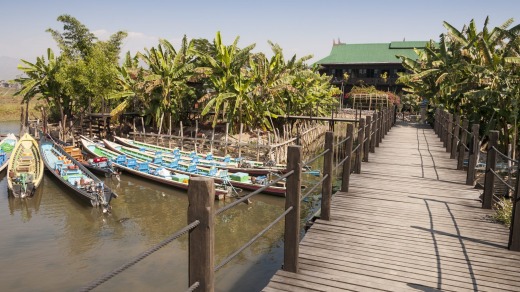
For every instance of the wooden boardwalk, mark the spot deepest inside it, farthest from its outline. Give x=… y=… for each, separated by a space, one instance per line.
x=408 y=223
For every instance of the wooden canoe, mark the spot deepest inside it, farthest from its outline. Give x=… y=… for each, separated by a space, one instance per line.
x=25 y=168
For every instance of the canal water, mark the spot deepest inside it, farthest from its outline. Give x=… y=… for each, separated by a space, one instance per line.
x=54 y=242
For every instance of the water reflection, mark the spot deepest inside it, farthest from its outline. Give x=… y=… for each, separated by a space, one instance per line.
x=64 y=244
x=26 y=206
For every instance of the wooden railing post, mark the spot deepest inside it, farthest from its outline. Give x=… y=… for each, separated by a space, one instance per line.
x=377 y=135
x=360 y=137
x=443 y=125
x=514 y=232
x=389 y=120
x=292 y=219
x=383 y=124
x=489 y=179
x=473 y=155
x=373 y=136
x=449 y=134
x=455 y=138
x=462 y=144
x=201 y=197
x=366 y=146
x=347 y=166
x=436 y=121
x=326 y=188
x=381 y=127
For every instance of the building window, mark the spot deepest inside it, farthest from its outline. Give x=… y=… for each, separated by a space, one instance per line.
x=370 y=73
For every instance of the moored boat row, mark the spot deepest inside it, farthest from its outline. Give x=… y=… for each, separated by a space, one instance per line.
x=145 y=169
x=190 y=167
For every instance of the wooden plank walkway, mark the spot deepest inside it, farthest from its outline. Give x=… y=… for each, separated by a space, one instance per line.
x=408 y=223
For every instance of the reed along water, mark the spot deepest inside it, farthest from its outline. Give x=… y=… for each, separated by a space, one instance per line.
x=55 y=242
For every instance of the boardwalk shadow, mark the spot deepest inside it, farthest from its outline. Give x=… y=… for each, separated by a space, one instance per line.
x=422 y=287
x=438 y=256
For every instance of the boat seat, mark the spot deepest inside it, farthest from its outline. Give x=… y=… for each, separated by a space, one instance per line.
x=144 y=167
x=121 y=159
x=131 y=162
x=157 y=160
x=174 y=164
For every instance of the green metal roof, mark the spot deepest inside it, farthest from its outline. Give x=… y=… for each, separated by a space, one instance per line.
x=371 y=53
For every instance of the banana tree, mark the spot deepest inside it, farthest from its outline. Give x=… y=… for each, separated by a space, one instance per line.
x=41 y=78
x=223 y=67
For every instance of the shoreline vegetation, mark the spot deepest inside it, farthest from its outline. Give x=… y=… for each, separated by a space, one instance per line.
x=12 y=106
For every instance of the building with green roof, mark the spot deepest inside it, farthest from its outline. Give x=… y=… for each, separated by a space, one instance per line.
x=366 y=63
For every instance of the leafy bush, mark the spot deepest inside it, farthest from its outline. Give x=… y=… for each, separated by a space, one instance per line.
x=504 y=211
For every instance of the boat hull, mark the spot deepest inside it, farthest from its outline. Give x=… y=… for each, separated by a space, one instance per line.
x=219 y=194
x=25 y=168
x=102 y=198
x=277 y=191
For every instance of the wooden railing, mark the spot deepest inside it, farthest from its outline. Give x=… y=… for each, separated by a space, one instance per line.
x=202 y=213
x=455 y=138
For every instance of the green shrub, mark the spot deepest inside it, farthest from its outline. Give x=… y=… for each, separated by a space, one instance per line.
x=504 y=211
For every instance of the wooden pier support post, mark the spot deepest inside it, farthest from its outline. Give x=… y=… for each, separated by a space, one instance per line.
x=326 y=188
x=292 y=219
x=462 y=144
x=240 y=140
x=455 y=138
x=226 y=139
x=347 y=166
x=383 y=124
x=514 y=233
x=366 y=148
x=473 y=155
x=491 y=162
x=449 y=133
x=360 y=138
x=201 y=197
x=181 y=133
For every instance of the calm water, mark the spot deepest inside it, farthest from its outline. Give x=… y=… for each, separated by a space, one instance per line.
x=53 y=241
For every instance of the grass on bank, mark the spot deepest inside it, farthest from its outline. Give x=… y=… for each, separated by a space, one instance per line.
x=10 y=106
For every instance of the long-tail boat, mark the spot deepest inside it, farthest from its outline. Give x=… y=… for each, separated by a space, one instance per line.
x=240 y=180
x=97 y=165
x=6 y=148
x=75 y=176
x=251 y=167
x=146 y=169
x=25 y=168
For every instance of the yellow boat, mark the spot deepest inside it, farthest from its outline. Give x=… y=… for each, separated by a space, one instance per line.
x=25 y=168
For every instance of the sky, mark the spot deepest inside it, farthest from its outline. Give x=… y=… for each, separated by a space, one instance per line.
x=299 y=27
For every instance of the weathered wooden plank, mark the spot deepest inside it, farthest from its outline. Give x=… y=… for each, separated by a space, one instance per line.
x=408 y=222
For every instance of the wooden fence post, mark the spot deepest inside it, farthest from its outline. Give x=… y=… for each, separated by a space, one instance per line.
x=462 y=145
x=292 y=219
x=449 y=133
x=473 y=155
x=201 y=197
x=441 y=125
x=360 y=138
x=514 y=233
x=455 y=138
x=491 y=162
x=378 y=129
x=373 y=135
x=383 y=124
x=366 y=148
x=347 y=166
x=436 y=121
x=326 y=189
